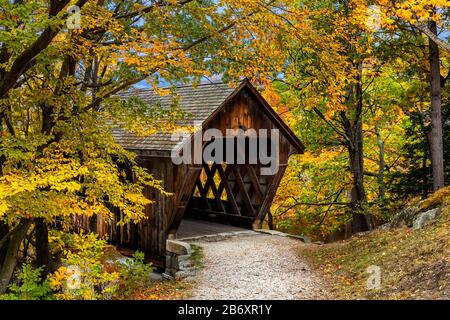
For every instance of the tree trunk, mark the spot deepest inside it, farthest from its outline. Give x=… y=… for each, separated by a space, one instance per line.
x=361 y=220
x=381 y=165
x=12 y=252
x=4 y=230
x=435 y=136
x=424 y=187
x=42 y=248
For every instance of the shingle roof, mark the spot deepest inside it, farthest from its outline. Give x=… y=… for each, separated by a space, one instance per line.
x=198 y=103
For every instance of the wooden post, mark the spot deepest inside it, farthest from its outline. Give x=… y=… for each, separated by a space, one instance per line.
x=270 y=194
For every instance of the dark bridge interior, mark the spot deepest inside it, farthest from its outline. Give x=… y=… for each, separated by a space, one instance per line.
x=229 y=194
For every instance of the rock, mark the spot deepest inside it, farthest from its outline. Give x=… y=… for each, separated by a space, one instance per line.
x=184 y=262
x=155 y=276
x=384 y=226
x=192 y=238
x=184 y=258
x=425 y=218
x=282 y=234
x=168 y=277
x=271 y=232
x=361 y=234
x=183 y=274
x=305 y=239
x=404 y=217
x=266 y=231
x=246 y=232
x=172 y=265
x=126 y=261
x=178 y=247
x=227 y=234
x=411 y=217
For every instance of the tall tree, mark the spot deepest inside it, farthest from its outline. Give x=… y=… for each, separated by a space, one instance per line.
x=425 y=16
x=326 y=65
x=436 y=138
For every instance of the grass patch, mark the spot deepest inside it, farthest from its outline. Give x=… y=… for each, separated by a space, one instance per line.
x=414 y=264
x=197 y=256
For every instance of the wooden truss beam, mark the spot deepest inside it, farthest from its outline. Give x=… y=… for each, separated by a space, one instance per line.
x=210 y=183
x=242 y=191
x=226 y=185
x=270 y=194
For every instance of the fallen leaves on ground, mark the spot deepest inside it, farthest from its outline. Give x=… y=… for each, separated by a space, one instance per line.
x=163 y=290
x=415 y=264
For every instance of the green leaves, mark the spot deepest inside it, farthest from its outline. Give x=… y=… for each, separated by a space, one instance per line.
x=29 y=285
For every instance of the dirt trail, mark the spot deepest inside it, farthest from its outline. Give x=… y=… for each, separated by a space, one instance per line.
x=255 y=267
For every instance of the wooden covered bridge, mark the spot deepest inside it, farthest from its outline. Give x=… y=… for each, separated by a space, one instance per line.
x=236 y=194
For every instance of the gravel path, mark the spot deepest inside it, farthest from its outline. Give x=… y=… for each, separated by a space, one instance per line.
x=255 y=267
